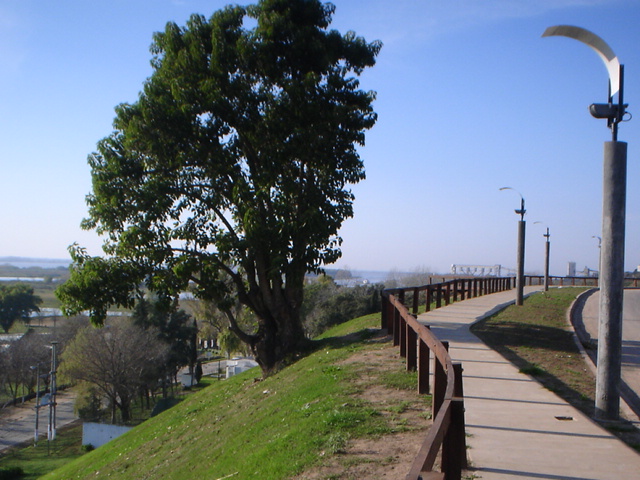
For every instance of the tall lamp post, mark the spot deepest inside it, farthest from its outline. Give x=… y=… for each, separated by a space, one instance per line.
x=36 y=433
x=547 y=249
x=611 y=277
x=51 y=430
x=520 y=258
x=599 y=254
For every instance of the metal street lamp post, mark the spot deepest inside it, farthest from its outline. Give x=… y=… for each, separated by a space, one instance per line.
x=520 y=258
x=547 y=249
x=599 y=254
x=611 y=277
x=36 y=433
x=51 y=430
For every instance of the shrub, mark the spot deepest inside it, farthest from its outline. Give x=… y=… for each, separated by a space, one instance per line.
x=11 y=473
x=327 y=304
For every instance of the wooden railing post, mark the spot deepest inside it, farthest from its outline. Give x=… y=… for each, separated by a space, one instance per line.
x=439 y=383
x=454 y=448
x=390 y=313
x=403 y=337
x=396 y=327
x=412 y=348
x=424 y=366
x=384 y=313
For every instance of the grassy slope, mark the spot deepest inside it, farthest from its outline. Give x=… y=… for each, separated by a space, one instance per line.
x=278 y=427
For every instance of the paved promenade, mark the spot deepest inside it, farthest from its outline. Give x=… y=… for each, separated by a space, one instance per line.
x=516 y=428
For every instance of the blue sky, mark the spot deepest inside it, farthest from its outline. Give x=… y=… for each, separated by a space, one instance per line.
x=470 y=99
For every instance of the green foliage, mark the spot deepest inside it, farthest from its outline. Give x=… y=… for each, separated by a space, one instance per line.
x=175 y=327
x=228 y=342
x=12 y=473
x=96 y=283
x=88 y=403
x=17 y=301
x=231 y=169
x=327 y=304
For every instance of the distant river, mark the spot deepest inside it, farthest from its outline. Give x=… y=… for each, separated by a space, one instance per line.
x=21 y=262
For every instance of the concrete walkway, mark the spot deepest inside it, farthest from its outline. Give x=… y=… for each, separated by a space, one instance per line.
x=516 y=428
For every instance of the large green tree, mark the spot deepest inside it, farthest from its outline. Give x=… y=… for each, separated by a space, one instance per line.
x=17 y=301
x=231 y=170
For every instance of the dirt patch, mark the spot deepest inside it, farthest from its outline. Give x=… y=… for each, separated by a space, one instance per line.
x=407 y=413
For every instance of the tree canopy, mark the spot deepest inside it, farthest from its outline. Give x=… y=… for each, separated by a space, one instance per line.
x=230 y=173
x=17 y=301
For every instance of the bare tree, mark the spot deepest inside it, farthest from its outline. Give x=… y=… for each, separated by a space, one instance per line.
x=119 y=359
x=17 y=375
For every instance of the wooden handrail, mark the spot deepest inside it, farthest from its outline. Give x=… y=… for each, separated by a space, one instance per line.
x=416 y=343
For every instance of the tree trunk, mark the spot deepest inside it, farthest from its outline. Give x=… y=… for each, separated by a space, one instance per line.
x=277 y=340
x=125 y=409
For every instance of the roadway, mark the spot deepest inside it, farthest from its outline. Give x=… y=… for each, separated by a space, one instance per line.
x=17 y=424
x=630 y=387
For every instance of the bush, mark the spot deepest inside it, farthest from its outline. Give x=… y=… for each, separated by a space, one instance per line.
x=11 y=473
x=327 y=304
x=88 y=405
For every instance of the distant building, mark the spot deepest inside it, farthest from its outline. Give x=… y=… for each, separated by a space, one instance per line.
x=571 y=269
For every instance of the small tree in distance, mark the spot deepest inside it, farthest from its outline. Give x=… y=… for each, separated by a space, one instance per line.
x=17 y=301
x=230 y=172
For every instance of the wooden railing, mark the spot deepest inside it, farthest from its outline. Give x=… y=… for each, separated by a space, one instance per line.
x=417 y=342
x=446 y=292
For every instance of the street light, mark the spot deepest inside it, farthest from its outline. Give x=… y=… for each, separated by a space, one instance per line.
x=547 y=249
x=38 y=377
x=599 y=253
x=520 y=259
x=611 y=277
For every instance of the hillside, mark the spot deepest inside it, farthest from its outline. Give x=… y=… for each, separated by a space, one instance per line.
x=348 y=410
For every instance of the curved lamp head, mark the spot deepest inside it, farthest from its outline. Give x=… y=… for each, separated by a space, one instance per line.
x=596 y=43
x=522 y=211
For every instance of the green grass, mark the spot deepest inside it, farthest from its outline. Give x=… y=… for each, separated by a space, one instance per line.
x=279 y=426
x=40 y=460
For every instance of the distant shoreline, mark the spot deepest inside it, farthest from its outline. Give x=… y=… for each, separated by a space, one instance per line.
x=28 y=262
